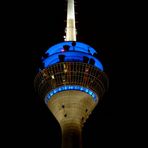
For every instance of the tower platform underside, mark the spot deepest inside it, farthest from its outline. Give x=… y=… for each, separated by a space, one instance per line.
x=71 y=107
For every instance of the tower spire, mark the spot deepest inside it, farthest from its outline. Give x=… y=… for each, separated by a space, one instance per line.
x=71 y=27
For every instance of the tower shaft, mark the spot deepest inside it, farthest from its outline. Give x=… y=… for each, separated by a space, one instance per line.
x=70 y=28
x=71 y=135
x=71 y=109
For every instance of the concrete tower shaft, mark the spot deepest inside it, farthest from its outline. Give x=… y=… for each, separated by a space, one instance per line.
x=71 y=109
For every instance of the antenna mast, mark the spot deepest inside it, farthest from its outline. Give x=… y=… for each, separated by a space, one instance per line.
x=71 y=27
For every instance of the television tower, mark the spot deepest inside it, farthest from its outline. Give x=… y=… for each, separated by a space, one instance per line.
x=71 y=81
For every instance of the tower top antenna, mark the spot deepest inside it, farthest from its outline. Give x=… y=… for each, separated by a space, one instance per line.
x=71 y=27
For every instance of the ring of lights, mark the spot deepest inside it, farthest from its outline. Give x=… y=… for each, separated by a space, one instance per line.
x=70 y=87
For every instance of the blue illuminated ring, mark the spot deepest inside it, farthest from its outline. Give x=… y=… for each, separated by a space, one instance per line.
x=70 y=87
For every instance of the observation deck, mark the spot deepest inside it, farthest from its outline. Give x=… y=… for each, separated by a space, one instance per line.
x=71 y=66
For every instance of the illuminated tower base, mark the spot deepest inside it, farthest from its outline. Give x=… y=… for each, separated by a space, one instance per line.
x=71 y=115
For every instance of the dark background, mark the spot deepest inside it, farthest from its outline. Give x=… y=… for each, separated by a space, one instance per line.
x=32 y=28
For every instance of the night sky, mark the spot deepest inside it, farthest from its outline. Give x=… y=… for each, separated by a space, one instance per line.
x=104 y=26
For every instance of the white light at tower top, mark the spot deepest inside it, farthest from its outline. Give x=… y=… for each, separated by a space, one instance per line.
x=70 y=28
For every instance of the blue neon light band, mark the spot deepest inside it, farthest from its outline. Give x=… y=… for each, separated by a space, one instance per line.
x=74 y=53
x=70 y=87
x=69 y=57
x=79 y=47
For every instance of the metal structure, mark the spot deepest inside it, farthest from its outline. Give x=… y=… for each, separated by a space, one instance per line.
x=71 y=81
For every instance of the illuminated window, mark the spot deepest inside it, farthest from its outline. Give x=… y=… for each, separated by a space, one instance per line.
x=52 y=76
